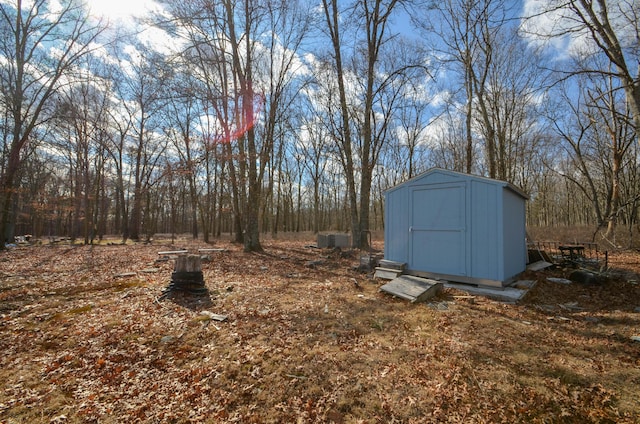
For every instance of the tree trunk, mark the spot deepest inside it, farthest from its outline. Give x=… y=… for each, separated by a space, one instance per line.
x=469 y=120
x=8 y=189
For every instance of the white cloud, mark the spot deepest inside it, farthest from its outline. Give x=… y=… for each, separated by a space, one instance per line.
x=122 y=10
x=546 y=25
x=160 y=41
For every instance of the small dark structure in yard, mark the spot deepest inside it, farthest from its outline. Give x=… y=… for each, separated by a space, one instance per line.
x=187 y=276
x=574 y=254
x=340 y=240
x=458 y=227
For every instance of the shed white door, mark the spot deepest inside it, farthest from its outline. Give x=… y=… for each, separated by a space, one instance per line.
x=437 y=241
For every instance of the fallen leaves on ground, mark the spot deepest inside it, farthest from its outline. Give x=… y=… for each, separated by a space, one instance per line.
x=84 y=338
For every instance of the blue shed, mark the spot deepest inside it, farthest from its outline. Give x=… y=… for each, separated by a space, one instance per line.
x=457 y=227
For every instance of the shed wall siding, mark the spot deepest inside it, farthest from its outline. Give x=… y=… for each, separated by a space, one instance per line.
x=514 y=234
x=437 y=177
x=485 y=245
x=396 y=229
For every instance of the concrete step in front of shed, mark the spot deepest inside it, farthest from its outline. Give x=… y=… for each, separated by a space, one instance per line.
x=411 y=288
x=386 y=273
x=387 y=264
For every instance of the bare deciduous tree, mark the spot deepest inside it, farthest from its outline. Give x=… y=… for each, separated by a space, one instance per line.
x=31 y=73
x=610 y=28
x=468 y=29
x=364 y=123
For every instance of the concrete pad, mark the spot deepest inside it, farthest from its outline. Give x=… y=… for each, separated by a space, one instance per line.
x=540 y=265
x=509 y=294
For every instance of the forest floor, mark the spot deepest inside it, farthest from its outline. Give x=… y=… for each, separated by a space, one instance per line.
x=303 y=343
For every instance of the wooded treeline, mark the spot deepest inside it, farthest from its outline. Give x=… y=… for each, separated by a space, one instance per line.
x=256 y=116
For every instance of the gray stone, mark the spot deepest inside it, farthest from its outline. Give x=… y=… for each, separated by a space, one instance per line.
x=167 y=339
x=558 y=280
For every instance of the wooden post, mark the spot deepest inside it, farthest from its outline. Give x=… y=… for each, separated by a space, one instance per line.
x=188 y=263
x=187 y=275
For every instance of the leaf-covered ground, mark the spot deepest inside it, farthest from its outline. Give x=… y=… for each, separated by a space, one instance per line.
x=308 y=339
